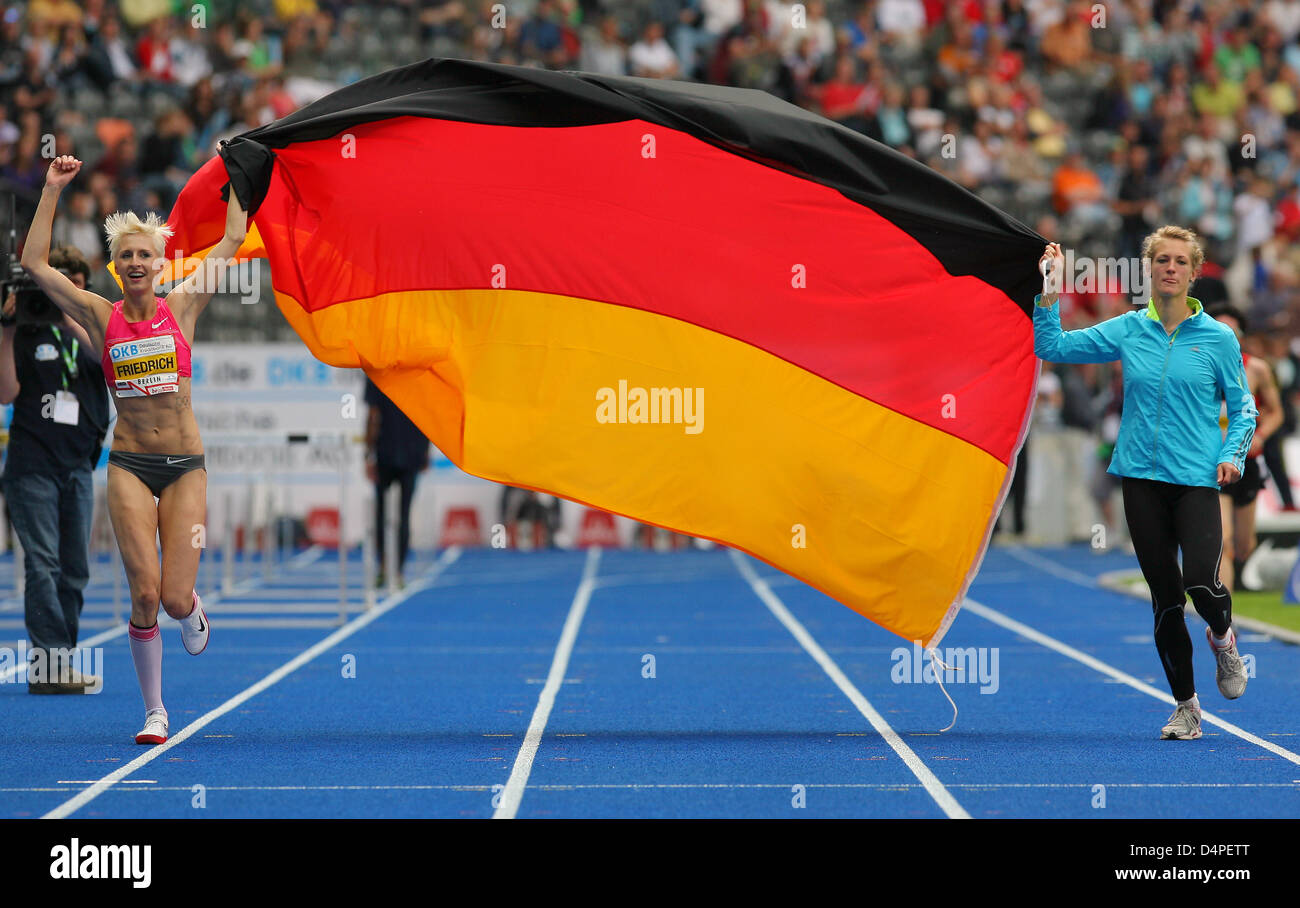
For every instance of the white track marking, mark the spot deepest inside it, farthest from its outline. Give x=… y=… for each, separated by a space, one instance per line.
x=513 y=793
x=68 y=807
x=1046 y=564
x=684 y=786
x=300 y=560
x=1110 y=671
x=947 y=803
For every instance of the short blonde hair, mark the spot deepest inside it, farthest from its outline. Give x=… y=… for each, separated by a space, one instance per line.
x=122 y=224
x=1171 y=232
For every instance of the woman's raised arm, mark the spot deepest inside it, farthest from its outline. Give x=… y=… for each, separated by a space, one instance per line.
x=90 y=310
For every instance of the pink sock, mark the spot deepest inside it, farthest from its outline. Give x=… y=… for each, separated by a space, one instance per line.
x=146 y=653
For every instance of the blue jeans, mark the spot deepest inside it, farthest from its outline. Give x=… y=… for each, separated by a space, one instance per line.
x=51 y=517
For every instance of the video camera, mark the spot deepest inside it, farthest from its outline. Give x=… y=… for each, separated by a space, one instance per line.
x=32 y=306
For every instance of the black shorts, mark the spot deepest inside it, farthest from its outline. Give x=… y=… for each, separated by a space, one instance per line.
x=157 y=471
x=1244 y=491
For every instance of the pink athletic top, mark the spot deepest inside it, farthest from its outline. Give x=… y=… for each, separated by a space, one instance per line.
x=145 y=358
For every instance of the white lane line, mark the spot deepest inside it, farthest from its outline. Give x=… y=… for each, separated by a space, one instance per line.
x=684 y=786
x=89 y=643
x=947 y=803
x=513 y=793
x=1046 y=564
x=1110 y=671
x=70 y=806
x=302 y=559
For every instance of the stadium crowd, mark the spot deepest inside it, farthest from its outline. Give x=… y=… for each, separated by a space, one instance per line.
x=1091 y=122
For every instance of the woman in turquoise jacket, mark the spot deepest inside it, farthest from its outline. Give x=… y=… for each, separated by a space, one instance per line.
x=1171 y=453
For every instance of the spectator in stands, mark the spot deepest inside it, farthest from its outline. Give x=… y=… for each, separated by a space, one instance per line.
x=1067 y=44
x=1135 y=202
x=77 y=229
x=153 y=52
x=228 y=55
x=683 y=22
x=541 y=38
x=119 y=162
x=69 y=64
x=1284 y=15
x=165 y=155
x=652 y=57
x=746 y=57
x=260 y=49
x=959 y=58
x=21 y=172
x=720 y=17
x=1236 y=56
x=440 y=19
x=890 y=125
x=1021 y=168
x=1002 y=63
x=978 y=155
x=925 y=121
x=1048 y=130
x=901 y=24
x=862 y=33
x=844 y=98
x=189 y=54
x=603 y=51
x=1217 y=95
x=36 y=86
x=110 y=60
x=799 y=70
x=815 y=27
x=1253 y=210
x=57 y=13
x=1077 y=195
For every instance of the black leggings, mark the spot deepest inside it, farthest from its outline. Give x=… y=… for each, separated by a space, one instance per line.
x=1162 y=518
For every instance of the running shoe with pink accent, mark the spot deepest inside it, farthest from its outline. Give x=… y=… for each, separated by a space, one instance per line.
x=195 y=629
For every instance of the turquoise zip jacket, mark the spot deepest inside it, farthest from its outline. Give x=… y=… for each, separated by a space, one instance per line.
x=1173 y=384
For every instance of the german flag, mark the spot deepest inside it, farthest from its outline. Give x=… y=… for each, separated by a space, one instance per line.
x=697 y=306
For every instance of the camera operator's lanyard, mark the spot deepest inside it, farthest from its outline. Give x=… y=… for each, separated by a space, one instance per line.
x=67 y=410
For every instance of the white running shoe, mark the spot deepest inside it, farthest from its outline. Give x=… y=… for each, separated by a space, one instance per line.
x=1230 y=670
x=155 y=728
x=195 y=629
x=1184 y=725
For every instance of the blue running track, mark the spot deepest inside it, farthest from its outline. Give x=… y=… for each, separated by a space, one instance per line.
x=691 y=684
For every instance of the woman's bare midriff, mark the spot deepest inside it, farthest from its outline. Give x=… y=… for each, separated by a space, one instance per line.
x=161 y=424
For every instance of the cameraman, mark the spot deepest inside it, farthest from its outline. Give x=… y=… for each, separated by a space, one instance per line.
x=51 y=373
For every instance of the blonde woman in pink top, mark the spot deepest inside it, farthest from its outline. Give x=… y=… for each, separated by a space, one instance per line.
x=157 y=484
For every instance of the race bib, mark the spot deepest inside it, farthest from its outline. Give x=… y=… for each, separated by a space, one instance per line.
x=145 y=367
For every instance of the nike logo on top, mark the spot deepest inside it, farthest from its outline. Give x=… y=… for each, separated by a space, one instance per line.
x=177 y=460
x=158 y=325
